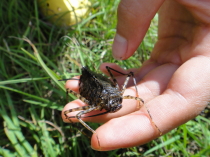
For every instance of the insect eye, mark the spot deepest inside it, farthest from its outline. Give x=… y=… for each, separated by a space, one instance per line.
x=111 y=102
x=114 y=102
x=116 y=107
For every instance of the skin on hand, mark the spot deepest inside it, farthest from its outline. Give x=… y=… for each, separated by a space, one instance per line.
x=174 y=82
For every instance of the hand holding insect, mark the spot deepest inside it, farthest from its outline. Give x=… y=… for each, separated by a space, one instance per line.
x=174 y=82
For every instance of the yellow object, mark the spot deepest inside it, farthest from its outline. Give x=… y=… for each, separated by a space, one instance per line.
x=65 y=12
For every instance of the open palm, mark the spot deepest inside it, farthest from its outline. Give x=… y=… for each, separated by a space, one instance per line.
x=174 y=82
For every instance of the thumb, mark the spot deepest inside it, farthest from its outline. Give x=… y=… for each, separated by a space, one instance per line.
x=134 y=18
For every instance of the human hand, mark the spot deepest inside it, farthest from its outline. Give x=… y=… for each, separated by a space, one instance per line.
x=174 y=82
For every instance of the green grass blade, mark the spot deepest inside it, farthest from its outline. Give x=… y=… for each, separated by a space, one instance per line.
x=21 y=80
x=168 y=142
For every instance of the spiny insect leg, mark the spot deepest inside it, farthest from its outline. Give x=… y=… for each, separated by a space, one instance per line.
x=126 y=83
x=130 y=74
x=78 y=116
x=69 y=118
x=160 y=132
x=107 y=67
x=133 y=97
x=112 y=76
x=86 y=109
x=84 y=124
x=150 y=116
x=77 y=95
x=76 y=109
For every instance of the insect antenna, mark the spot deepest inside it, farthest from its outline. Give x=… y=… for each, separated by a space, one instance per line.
x=68 y=79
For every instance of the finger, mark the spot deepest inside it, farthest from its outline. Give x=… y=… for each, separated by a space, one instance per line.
x=123 y=132
x=134 y=17
x=185 y=97
x=73 y=84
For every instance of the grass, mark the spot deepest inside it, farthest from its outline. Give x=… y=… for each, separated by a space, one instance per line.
x=31 y=97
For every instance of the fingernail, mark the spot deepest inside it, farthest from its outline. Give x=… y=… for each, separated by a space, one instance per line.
x=119 y=47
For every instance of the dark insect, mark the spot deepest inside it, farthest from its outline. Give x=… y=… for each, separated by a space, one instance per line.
x=99 y=93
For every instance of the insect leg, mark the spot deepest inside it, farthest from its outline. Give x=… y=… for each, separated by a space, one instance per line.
x=75 y=109
x=126 y=82
x=133 y=97
x=84 y=124
x=107 y=67
x=77 y=95
x=112 y=76
x=78 y=116
x=160 y=132
x=139 y=99
x=86 y=109
x=130 y=74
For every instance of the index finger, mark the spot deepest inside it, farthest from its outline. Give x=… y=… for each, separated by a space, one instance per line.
x=134 y=17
